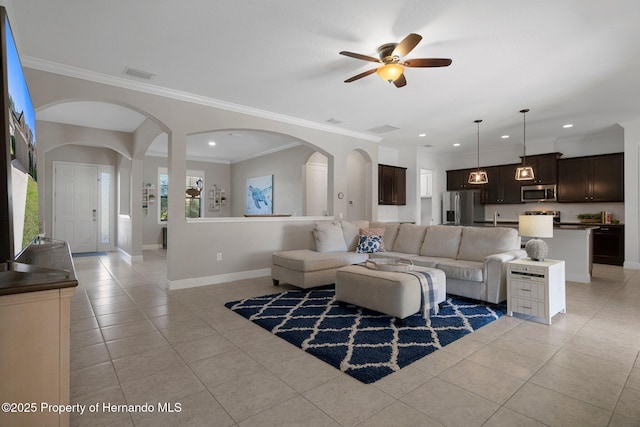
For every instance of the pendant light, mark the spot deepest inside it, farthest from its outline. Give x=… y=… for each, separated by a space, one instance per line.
x=524 y=172
x=478 y=176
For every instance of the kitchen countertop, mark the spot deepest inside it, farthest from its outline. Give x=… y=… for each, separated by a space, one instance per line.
x=43 y=266
x=561 y=225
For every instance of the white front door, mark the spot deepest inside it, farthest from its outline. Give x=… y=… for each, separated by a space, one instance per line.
x=76 y=206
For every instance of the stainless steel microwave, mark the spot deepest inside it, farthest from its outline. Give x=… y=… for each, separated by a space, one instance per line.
x=539 y=193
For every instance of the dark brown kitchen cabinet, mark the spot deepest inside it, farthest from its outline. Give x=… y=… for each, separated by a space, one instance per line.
x=545 y=168
x=591 y=179
x=392 y=185
x=459 y=180
x=502 y=187
x=608 y=245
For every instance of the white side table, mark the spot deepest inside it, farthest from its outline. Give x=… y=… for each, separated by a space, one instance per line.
x=536 y=288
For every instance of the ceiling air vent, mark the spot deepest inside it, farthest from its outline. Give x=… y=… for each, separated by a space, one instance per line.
x=383 y=129
x=139 y=73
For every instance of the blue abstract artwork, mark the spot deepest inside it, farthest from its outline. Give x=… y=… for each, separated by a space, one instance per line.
x=260 y=195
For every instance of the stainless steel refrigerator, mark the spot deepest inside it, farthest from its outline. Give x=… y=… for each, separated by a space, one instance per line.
x=462 y=207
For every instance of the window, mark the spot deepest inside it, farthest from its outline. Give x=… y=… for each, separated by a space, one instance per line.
x=193 y=199
x=105 y=206
x=193 y=196
x=163 y=192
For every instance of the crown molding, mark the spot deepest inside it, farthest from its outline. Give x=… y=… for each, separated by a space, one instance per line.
x=80 y=73
x=630 y=124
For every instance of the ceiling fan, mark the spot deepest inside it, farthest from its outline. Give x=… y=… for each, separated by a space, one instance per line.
x=392 y=68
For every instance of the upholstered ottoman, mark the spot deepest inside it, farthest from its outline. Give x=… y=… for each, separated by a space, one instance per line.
x=305 y=268
x=394 y=293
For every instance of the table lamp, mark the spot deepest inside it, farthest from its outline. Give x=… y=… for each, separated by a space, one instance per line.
x=536 y=226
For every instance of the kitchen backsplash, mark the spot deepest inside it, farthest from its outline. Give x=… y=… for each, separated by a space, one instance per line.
x=568 y=211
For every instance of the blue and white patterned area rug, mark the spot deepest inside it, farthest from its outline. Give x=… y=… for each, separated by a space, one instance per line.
x=362 y=343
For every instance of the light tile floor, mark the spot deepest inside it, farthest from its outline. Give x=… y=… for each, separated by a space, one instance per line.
x=133 y=342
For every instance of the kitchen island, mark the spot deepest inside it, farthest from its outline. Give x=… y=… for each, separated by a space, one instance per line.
x=571 y=242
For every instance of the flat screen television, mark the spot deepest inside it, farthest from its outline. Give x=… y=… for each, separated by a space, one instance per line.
x=19 y=223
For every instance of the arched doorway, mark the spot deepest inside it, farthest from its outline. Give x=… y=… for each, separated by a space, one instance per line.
x=92 y=153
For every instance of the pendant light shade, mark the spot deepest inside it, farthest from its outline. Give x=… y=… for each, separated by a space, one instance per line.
x=524 y=172
x=478 y=176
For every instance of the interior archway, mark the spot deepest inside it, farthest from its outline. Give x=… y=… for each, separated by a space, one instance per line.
x=227 y=158
x=107 y=134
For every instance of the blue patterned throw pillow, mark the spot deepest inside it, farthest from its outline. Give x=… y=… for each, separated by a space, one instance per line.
x=369 y=244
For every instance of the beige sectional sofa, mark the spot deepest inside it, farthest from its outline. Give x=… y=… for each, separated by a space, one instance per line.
x=472 y=258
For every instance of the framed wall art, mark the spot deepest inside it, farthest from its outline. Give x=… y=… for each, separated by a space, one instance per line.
x=259 y=200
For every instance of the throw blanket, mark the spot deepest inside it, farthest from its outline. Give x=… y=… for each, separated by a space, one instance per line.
x=428 y=299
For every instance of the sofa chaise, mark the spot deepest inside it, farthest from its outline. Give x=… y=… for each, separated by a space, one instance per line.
x=472 y=258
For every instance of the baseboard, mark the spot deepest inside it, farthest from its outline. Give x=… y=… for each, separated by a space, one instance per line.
x=128 y=257
x=152 y=246
x=580 y=278
x=632 y=265
x=216 y=279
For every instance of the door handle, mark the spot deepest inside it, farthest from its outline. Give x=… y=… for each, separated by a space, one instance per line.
x=95 y=211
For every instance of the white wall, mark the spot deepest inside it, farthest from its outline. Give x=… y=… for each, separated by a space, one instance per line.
x=631 y=194
x=439 y=165
x=357 y=182
x=288 y=185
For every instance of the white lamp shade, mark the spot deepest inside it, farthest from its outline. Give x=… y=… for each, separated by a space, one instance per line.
x=536 y=225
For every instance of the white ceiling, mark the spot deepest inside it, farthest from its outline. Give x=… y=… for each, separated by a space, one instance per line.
x=229 y=146
x=570 y=61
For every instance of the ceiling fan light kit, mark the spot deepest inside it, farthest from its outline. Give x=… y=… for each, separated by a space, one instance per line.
x=524 y=172
x=478 y=176
x=390 y=72
x=392 y=68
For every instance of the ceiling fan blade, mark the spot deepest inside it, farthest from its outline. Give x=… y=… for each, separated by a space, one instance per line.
x=361 y=75
x=427 y=62
x=359 y=56
x=407 y=44
x=400 y=81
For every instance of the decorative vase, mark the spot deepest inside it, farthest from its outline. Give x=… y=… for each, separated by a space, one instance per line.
x=537 y=249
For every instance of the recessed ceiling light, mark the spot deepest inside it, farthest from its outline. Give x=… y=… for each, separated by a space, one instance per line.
x=212 y=143
x=422 y=134
x=456 y=145
x=567 y=126
x=505 y=137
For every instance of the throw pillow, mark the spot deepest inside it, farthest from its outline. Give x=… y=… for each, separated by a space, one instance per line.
x=369 y=244
x=374 y=232
x=329 y=237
